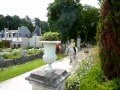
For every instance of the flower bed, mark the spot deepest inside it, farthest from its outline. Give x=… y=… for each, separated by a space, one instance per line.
x=89 y=76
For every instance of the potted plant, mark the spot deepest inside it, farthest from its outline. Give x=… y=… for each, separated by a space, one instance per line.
x=49 y=40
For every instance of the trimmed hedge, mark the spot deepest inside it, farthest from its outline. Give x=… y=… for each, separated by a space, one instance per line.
x=20 y=60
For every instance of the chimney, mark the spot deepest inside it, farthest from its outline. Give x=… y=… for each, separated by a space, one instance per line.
x=18 y=28
x=6 y=29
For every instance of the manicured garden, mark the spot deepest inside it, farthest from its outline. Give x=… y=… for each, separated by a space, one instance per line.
x=12 y=71
x=12 y=54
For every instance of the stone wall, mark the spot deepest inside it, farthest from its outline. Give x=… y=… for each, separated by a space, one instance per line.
x=20 y=60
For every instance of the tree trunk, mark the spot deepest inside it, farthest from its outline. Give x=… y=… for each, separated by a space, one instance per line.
x=109 y=38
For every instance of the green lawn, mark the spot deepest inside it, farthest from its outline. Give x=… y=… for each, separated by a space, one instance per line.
x=19 y=69
x=13 y=71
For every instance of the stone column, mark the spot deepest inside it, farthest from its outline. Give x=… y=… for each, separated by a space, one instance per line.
x=41 y=80
x=78 y=42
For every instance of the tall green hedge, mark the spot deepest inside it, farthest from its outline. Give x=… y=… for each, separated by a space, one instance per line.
x=109 y=38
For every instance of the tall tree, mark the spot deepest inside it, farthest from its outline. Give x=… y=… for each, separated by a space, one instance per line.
x=62 y=15
x=89 y=25
x=42 y=24
x=109 y=38
x=16 y=21
x=37 y=22
x=27 y=22
x=8 y=22
x=2 y=22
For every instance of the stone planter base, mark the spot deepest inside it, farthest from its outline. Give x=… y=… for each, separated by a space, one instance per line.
x=40 y=80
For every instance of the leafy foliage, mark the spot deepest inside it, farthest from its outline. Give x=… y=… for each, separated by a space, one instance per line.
x=13 y=22
x=71 y=19
x=33 y=52
x=12 y=55
x=42 y=24
x=51 y=36
x=62 y=16
x=73 y=82
x=89 y=24
x=91 y=78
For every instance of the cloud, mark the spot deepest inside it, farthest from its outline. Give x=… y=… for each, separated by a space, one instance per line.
x=32 y=8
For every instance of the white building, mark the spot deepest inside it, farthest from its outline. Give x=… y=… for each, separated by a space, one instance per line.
x=21 y=37
x=35 y=40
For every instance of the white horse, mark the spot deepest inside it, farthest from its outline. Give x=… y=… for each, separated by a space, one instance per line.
x=70 y=51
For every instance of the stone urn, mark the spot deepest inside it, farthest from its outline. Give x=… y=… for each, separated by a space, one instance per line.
x=48 y=78
x=49 y=54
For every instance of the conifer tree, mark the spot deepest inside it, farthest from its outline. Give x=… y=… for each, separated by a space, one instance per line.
x=109 y=38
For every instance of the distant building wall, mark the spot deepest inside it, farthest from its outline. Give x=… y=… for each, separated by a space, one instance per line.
x=22 y=37
x=25 y=42
x=35 y=41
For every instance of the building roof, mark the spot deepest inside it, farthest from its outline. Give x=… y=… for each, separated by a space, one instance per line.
x=2 y=33
x=24 y=32
x=21 y=32
x=37 y=31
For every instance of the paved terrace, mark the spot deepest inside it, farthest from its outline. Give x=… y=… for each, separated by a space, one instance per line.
x=19 y=82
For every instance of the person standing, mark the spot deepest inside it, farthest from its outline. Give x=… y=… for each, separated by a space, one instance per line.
x=73 y=45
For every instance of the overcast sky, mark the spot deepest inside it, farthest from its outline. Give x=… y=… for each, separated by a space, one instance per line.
x=32 y=8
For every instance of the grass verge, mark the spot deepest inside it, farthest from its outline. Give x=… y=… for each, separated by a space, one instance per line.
x=86 y=78
x=13 y=71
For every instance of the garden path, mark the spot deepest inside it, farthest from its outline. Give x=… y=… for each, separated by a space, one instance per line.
x=19 y=82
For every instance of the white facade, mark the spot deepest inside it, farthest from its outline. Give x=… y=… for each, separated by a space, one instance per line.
x=13 y=36
x=24 y=42
x=35 y=41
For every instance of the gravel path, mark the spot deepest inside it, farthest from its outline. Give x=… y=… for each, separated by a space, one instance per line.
x=19 y=82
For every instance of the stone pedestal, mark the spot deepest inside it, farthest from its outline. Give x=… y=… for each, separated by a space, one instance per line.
x=78 y=42
x=41 y=80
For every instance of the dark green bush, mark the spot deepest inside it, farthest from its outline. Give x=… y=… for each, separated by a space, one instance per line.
x=29 y=47
x=108 y=37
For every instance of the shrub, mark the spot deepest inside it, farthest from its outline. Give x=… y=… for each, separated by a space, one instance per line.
x=29 y=47
x=12 y=55
x=73 y=82
x=91 y=77
x=51 y=36
x=32 y=52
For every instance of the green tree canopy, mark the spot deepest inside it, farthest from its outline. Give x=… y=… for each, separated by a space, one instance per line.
x=13 y=22
x=62 y=16
x=89 y=24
